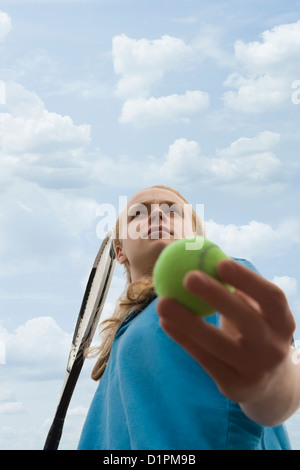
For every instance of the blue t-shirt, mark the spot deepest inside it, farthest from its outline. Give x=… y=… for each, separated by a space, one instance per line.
x=154 y=396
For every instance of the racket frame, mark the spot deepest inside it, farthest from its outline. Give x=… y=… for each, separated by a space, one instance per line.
x=82 y=337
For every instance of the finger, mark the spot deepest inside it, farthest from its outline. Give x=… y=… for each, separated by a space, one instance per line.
x=272 y=300
x=251 y=302
x=201 y=334
x=229 y=304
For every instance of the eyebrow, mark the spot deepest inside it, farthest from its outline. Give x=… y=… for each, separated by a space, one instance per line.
x=150 y=203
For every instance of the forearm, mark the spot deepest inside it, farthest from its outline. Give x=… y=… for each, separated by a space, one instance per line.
x=280 y=397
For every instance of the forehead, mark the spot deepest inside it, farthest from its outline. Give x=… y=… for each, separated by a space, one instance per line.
x=154 y=196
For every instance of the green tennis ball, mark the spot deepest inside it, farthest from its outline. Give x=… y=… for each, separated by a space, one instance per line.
x=176 y=260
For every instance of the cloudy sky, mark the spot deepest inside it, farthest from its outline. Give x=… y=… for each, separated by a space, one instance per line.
x=101 y=98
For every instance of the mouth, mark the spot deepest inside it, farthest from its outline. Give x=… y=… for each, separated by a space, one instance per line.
x=158 y=229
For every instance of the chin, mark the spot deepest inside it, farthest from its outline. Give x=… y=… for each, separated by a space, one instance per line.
x=159 y=244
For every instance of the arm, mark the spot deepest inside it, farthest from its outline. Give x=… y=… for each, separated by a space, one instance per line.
x=280 y=399
x=250 y=357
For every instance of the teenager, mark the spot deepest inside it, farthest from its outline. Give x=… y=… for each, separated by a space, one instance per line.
x=170 y=380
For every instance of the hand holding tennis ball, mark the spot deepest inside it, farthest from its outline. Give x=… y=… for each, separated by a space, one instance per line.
x=176 y=260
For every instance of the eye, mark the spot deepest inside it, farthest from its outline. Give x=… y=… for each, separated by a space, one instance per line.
x=174 y=211
x=138 y=213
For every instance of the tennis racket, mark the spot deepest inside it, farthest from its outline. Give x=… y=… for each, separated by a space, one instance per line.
x=88 y=318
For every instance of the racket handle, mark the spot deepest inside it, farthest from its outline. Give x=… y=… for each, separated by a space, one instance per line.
x=54 y=434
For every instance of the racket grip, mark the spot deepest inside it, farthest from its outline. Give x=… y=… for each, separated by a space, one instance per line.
x=54 y=434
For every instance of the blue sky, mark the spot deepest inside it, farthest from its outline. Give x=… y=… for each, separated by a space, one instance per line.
x=103 y=98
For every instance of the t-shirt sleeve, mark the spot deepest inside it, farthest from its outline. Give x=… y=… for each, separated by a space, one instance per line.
x=246 y=263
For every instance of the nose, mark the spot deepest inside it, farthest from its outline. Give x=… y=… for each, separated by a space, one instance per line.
x=157 y=215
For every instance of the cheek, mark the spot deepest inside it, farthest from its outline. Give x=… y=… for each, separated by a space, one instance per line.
x=178 y=226
x=137 y=228
x=183 y=228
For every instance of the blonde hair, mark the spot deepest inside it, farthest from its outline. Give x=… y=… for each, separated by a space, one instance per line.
x=134 y=296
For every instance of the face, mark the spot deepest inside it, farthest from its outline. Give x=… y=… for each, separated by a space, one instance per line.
x=153 y=219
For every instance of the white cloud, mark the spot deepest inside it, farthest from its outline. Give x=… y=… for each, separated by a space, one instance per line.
x=39 y=131
x=246 y=241
x=13 y=407
x=255 y=239
x=49 y=132
x=41 y=227
x=257 y=168
x=269 y=67
x=263 y=142
x=247 y=160
x=288 y=284
x=174 y=108
x=50 y=150
x=257 y=95
x=278 y=46
x=37 y=350
x=5 y=25
x=142 y=63
x=183 y=159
